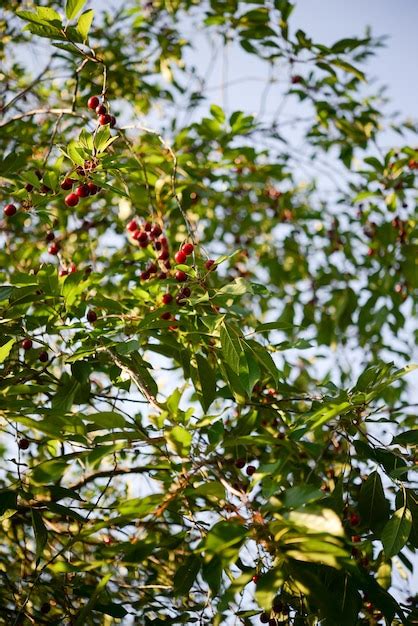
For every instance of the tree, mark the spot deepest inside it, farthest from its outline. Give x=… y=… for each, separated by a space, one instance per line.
x=170 y=453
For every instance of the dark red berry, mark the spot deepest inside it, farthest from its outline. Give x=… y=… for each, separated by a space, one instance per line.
x=93 y=189
x=162 y=275
x=152 y=268
x=101 y=109
x=167 y=298
x=93 y=102
x=91 y=316
x=141 y=236
x=356 y=538
x=49 y=236
x=29 y=187
x=43 y=357
x=164 y=255
x=72 y=268
x=44 y=189
x=209 y=264
x=54 y=248
x=155 y=231
x=250 y=470
x=63 y=272
x=180 y=276
x=67 y=184
x=27 y=344
x=167 y=264
x=296 y=79
x=239 y=463
x=71 y=199
x=112 y=121
x=45 y=608
x=166 y=315
x=354 y=519
x=82 y=191
x=187 y=248
x=23 y=444
x=145 y=275
x=147 y=227
x=264 y=618
x=185 y=292
x=104 y=119
x=180 y=257
x=9 y=210
x=163 y=241
x=132 y=226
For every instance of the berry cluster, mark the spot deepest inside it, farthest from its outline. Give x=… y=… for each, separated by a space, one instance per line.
x=81 y=191
x=101 y=110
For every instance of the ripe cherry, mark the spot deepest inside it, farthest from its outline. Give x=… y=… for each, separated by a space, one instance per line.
x=142 y=236
x=27 y=344
x=49 y=236
x=167 y=298
x=255 y=578
x=164 y=255
x=104 y=119
x=264 y=618
x=132 y=226
x=180 y=276
x=152 y=268
x=209 y=264
x=187 y=248
x=9 y=210
x=29 y=187
x=43 y=357
x=166 y=315
x=250 y=470
x=296 y=79
x=162 y=275
x=180 y=257
x=91 y=316
x=54 y=248
x=101 y=109
x=82 y=191
x=72 y=268
x=185 y=292
x=45 y=608
x=93 y=102
x=240 y=463
x=93 y=189
x=155 y=231
x=356 y=538
x=147 y=227
x=23 y=443
x=63 y=272
x=145 y=275
x=67 y=184
x=112 y=121
x=354 y=519
x=71 y=199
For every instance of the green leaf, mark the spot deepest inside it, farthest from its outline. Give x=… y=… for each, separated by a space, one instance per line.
x=84 y=23
x=301 y=494
x=207 y=379
x=347 y=67
x=5 y=349
x=186 y=575
x=231 y=347
x=396 y=532
x=41 y=534
x=180 y=439
x=407 y=438
x=88 y=608
x=72 y=7
x=106 y=419
x=223 y=535
x=373 y=506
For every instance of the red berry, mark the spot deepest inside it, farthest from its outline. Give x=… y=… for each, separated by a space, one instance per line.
x=82 y=191
x=23 y=444
x=132 y=226
x=164 y=255
x=93 y=189
x=141 y=236
x=49 y=236
x=187 y=248
x=162 y=275
x=43 y=357
x=354 y=519
x=9 y=210
x=72 y=268
x=112 y=121
x=54 y=248
x=239 y=463
x=167 y=298
x=209 y=264
x=155 y=231
x=264 y=618
x=166 y=315
x=67 y=184
x=167 y=264
x=91 y=316
x=163 y=241
x=180 y=257
x=255 y=578
x=29 y=187
x=104 y=119
x=356 y=538
x=63 y=272
x=45 y=608
x=93 y=102
x=152 y=268
x=143 y=244
x=180 y=276
x=147 y=227
x=250 y=470
x=145 y=275
x=27 y=344
x=71 y=199
x=296 y=79
x=101 y=109
x=185 y=292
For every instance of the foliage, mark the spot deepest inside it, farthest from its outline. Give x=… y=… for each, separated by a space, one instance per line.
x=179 y=459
